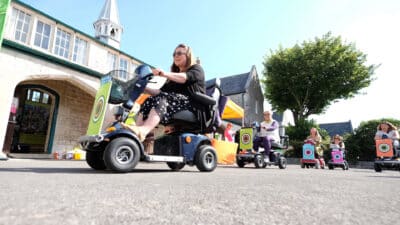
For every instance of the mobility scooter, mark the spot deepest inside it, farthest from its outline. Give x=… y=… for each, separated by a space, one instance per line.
x=120 y=150
x=309 y=157
x=387 y=155
x=246 y=155
x=337 y=158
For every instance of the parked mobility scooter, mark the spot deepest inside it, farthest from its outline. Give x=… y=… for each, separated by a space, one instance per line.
x=246 y=155
x=310 y=159
x=120 y=150
x=388 y=157
x=337 y=158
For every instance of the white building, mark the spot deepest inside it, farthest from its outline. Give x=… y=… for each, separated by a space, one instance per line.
x=49 y=77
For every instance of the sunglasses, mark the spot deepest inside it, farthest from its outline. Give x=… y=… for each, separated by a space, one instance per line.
x=178 y=53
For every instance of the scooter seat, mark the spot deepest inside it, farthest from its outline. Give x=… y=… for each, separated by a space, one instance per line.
x=186 y=116
x=276 y=145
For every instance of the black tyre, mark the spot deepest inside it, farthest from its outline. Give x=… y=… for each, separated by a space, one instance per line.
x=377 y=167
x=259 y=161
x=346 y=165
x=206 y=158
x=95 y=160
x=122 y=155
x=240 y=163
x=302 y=165
x=175 y=166
x=282 y=163
x=330 y=166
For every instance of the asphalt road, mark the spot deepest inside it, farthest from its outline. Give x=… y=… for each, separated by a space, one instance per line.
x=69 y=192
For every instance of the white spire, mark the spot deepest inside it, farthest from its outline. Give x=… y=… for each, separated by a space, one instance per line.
x=108 y=28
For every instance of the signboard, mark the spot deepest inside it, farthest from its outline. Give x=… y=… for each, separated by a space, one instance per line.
x=337 y=156
x=384 y=148
x=99 y=107
x=308 y=151
x=246 y=138
x=3 y=10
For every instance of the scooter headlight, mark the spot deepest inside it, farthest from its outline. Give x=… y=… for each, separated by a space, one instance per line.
x=111 y=129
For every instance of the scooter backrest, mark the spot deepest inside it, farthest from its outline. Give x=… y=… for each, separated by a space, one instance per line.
x=203 y=99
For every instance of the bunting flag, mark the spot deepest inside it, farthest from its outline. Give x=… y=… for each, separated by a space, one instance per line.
x=3 y=10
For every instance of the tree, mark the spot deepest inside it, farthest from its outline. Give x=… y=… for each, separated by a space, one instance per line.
x=309 y=77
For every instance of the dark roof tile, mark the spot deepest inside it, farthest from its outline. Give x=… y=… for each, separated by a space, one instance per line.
x=337 y=128
x=232 y=85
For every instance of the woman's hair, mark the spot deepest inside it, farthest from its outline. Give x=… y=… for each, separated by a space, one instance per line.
x=337 y=136
x=190 y=59
x=391 y=126
x=316 y=131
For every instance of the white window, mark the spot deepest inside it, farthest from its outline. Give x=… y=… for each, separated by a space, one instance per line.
x=36 y=96
x=80 y=49
x=20 y=23
x=112 y=61
x=62 y=44
x=132 y=70
x=123 y=68
x=42 y=35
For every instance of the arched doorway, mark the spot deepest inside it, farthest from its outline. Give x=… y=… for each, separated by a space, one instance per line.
x=35 y=118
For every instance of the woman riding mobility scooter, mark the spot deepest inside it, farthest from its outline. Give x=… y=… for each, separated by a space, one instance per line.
x=246 y=155
x=120 y=149
x=337 y=154
x=312 y=151
x=387 y=147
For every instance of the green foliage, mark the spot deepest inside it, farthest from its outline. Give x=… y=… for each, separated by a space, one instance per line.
x=299 y=133
x=309 y=77
x=361 y=145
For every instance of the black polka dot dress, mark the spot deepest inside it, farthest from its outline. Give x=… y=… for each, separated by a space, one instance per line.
x=166 y=105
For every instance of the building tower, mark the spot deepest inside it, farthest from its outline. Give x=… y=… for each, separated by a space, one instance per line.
x=107 y=27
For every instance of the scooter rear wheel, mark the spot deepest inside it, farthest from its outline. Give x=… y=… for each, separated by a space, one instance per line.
x=206 y=158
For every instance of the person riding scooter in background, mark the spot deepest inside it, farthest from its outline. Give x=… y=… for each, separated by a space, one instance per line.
x=337 y=142
x=388 y=130
x=268 y=133
x=315 y=139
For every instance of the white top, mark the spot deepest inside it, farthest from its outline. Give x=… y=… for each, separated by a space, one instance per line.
x=393 y=134
x=266 y=130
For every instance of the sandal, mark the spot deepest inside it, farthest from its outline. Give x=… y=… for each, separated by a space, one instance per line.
x=135 y=129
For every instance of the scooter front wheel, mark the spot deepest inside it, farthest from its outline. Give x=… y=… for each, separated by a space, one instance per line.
x=95 y=160
x=122 y=155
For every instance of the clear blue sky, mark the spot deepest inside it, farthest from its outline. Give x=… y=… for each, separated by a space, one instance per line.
x=230 y=36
